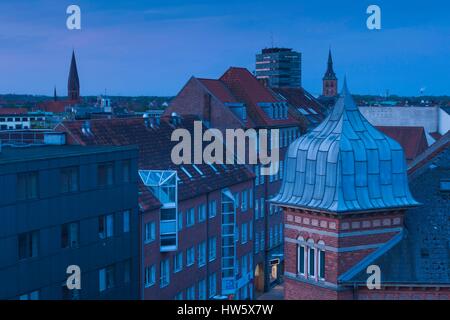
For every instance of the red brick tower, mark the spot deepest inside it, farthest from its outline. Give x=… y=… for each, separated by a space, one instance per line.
x=344 y=195
x=329 y=80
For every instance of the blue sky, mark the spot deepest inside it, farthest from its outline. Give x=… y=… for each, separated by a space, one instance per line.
x=152 y=47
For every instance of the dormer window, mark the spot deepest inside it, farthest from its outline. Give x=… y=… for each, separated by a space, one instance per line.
x=275 y=110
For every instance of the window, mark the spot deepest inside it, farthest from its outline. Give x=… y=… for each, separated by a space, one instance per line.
x=30 y=296
x=201 y=213
x=179 y=296
x=257 y=209
x=69 y=179
x=150 y=276
x=126 y=171
x=190 y=217
x=250 y=230
x=212 y=244
x=321 y=258
x=28 y=245
x=244 y=202
x=263 y=241
x=244 y=238
x=202 y=254
x=270 y=237
x=106 y=226
x=150 y=232
x=178 y=262
x=105 y=174
x=257 y=174
x=311 y=259
x=250 y=198
x=165 y=273
x=106 y=278
x=190 y=293
x=262 y=208
x=300 y=257
x=212 y=208
x=236 y=199
x=70 y=235
x=27 y=186
x=180 y=220
x=244 y=266
x=445 y=185
x=202 y=290
x=127 y=271
x=126 y=221
x=212 y=285
x=190 y=256
x=256 y=242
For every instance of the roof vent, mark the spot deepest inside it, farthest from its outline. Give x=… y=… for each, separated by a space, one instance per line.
x=86 y=128
x=175 y=119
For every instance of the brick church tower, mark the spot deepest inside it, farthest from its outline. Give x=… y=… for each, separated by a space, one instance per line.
x=73 y=85
x=344 y=196
x=329 y=80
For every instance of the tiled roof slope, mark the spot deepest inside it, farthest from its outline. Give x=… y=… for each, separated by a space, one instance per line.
x=155 y=147
x=219 y=89
x=412 y=139
x=345 y=165
x=246 y=88
x=423 y=255
x=303 y=102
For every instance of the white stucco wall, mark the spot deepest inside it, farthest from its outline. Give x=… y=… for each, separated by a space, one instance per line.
x=426 y=117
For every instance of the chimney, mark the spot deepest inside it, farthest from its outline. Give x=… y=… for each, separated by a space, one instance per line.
x=207 y=107
x=175 y=119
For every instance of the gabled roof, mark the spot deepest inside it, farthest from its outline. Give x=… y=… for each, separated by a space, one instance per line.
x=345 y=165
x=218 y=89
x=155 y=147
x=412 y=139
x=430 y=154
x=246 y=88
x=304 y=103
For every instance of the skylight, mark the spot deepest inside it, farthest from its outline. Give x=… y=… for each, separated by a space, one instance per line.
x=200 y=172
x=186 y=172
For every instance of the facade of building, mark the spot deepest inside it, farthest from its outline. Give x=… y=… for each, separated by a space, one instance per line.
x=279 y=67
x=349 y=207
x=239 y=100
x=69 y=205
x=196 y=219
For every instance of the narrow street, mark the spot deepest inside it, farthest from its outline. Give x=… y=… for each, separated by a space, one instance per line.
x=276 y=293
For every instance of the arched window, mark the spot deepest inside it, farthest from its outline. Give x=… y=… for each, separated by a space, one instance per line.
x=311 y=259
x=321 y=258
x=300 y=257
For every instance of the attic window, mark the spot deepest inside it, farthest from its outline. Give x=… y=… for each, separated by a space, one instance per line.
x=445 y=185
x=186 y=172
x=200 y=172
x=213 y=167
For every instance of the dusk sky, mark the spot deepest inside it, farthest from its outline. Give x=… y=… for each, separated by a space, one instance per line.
x=153 y=47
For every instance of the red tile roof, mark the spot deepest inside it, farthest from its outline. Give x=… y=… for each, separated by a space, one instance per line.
x=155 y=147
x=412 y=139
x=246 y=88
x=11 y=111
x=218 y=89
x=55 y=106
x=428 y=155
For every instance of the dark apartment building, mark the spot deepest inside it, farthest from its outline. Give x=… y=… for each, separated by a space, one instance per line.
x=239 y=100
x=64 y=206
x=196 y=220
x=279 y=67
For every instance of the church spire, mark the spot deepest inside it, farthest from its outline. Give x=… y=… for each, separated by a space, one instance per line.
x=73 y=86
x=55 y=97
x=329 y=79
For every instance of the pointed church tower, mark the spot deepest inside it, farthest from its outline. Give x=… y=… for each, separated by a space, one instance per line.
x=329 y=79
x=344 y=195
x=55 y=96
x=73 y=86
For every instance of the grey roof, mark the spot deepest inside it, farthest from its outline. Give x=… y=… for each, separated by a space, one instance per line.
x=423 y=254
x=345 y=165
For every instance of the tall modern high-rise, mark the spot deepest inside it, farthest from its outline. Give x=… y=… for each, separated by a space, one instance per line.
x=279 y=67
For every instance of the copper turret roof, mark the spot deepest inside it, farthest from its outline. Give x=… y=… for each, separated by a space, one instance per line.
x=345 y=165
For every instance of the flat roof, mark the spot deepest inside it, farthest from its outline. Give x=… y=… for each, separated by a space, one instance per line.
x=19 y=154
